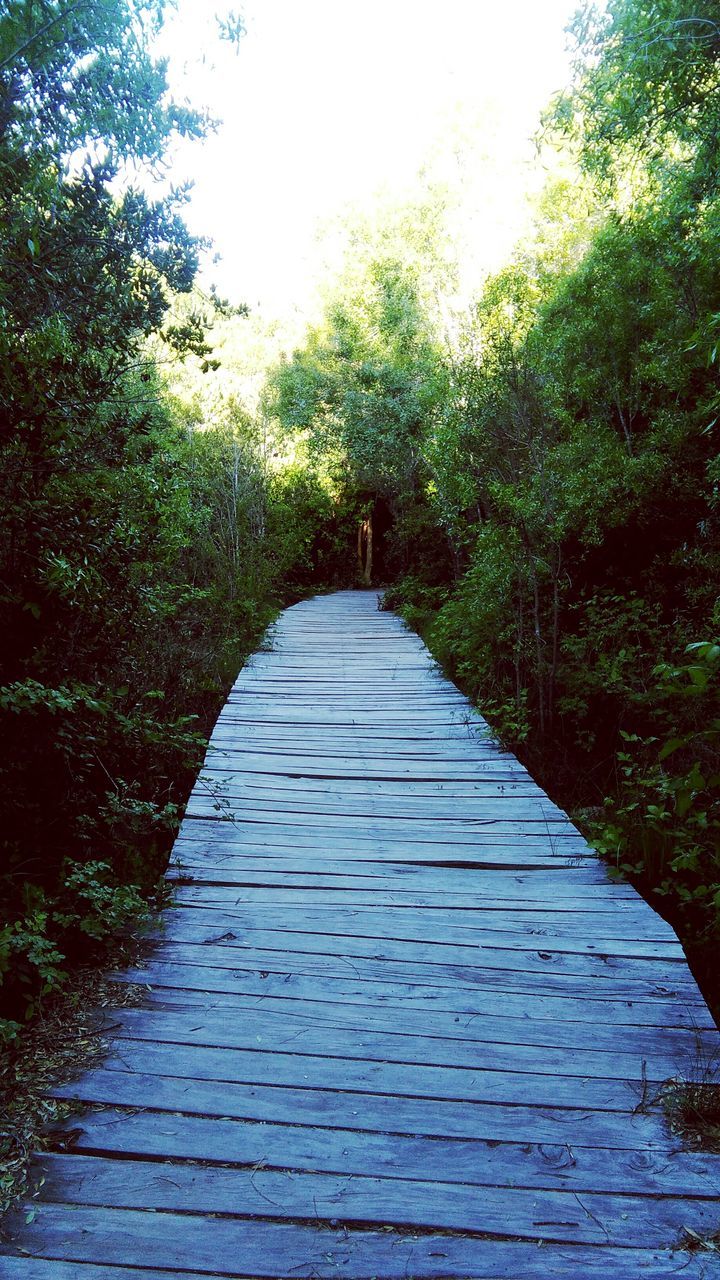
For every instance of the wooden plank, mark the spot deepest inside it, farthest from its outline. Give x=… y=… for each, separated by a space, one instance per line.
x=414 y=929
x=237 y=1248
x=465 y=892
x=406 y=793
x=269 y=877
x=455 y=741
x=457 y=757
x=415 y=809
x=650 y=1038
x=323 y=1106
x=288 y=984
x=452 y=1163
x=277 y=758
x=613 y=984
x=341 y=768
x=482 y=882
x=373 y=819
x=362 y=740
x=206 y=865
x=572 y=1213
x=267 y=1030
x=588 y=884
x=550 y=831
x=405 y=1079
x=436 y=910
x=413 y=840
x=490 y=850
x=337 y=1028
x=500 y=845
x=562 y=959
x=257 y=697
x=277 y=776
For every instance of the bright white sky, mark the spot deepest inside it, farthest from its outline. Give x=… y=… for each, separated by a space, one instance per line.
x=328 y=100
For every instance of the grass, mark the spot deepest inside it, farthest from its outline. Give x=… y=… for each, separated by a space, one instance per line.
x=691 y=1099
x=693 y=1110
x=62 y=1042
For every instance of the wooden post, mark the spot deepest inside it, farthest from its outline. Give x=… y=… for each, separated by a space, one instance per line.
x=365 y=550
x=368 y=550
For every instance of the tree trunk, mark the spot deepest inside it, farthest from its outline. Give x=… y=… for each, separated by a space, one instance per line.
x=368 y=551
x=365 y=551
x=538 y=643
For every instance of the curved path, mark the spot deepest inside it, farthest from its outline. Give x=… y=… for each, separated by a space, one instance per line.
x=399 y=1024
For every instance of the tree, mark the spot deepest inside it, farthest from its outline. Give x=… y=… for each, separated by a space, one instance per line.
x=647 y=75
x=93 y=514
x=87 y=270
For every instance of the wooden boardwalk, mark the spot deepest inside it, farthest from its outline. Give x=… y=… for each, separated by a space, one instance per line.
x=399 y=1024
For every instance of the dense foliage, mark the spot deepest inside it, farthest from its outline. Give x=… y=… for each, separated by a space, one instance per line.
x=370 y=378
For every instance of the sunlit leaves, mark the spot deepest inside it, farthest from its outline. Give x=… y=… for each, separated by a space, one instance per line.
x=365 y=383
x=647 y=81
x=231 y=28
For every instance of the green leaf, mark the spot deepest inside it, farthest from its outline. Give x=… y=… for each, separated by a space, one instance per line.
x=683 y=801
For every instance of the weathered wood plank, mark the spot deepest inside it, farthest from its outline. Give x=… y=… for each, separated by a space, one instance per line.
x=26 y=1268
x=501 y=1168
x=483 y=878
x=613 y=922
x=653 y=1040
x=611 y=984
x=605 y=967
x=451 y=759
x=553 y=836
x=508 y=886
x=391 y=769
x=388 y=811
x=320 y=1105
x=402 y=997
x=517 y=891
x=423 y=1080
x=511 y=852
x=246 y=782
x=571 y=1213
x=396 y=928
x=267 y=1029
x=241 y=1248
x=367 y=797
